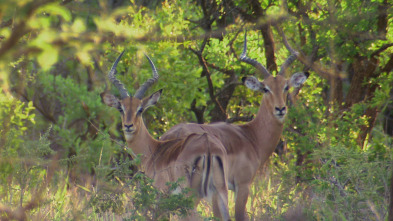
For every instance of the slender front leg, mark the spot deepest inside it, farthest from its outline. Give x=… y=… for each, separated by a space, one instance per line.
x=241 y=200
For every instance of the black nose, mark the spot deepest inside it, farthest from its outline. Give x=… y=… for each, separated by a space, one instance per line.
x=128 y=127
x=281 y=111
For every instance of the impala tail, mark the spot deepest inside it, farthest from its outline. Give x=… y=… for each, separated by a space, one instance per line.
x=209 y=173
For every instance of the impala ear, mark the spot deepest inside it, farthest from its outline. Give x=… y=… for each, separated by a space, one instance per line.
x=298 y=79
x=110 y=100
x=152 y=100
x=253 y=83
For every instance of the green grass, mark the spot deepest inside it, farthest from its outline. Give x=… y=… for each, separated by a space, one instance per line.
x=337 y=183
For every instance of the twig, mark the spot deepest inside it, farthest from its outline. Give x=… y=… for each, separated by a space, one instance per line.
x=380 y=50
x=39 y=109
x=206 y=72
x=20 y=212
x=20 y=29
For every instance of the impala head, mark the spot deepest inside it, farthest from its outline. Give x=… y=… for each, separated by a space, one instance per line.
x=131 y=108
x=275 y=88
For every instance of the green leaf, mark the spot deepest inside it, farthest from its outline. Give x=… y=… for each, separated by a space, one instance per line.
x=78 y=26
x=48 y=57
x=56 y=9
x=84 y=54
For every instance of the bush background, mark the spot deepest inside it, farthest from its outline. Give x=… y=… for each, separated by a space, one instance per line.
x=62 y=153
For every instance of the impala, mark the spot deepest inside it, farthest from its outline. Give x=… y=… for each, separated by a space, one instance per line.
x=251 y=144
x=199 y=157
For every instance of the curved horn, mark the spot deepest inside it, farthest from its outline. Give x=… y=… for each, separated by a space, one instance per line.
x=255 y=63
x=293 y=55
x=116 y=82
x=148 y=83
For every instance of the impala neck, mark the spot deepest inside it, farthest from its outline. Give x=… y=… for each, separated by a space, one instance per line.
x=266 y=130
x=142 y=143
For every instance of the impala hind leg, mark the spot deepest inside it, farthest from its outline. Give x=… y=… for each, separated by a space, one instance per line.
x=240 y=203
x=220 y=206
x=220 y=191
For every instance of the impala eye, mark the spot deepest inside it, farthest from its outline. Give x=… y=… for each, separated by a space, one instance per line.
x=286 y=88
x=265 y=90
x=139 y=111
x=120 y=108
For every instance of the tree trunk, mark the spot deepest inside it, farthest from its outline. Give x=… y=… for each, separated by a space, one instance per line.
x=359 y=91
x=268 y=42
x=223 y=99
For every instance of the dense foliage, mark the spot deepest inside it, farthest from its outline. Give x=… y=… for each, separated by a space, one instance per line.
x=62 y=154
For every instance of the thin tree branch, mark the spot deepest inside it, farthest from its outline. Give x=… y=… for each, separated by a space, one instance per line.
x=225 y=71
x=39 y=109
x=380 y=50
x=198 y=112
x=206 y=73
x=20 y=28
x=389 y=65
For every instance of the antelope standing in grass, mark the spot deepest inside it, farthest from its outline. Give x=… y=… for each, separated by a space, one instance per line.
x=251 y=144
x=199 y=157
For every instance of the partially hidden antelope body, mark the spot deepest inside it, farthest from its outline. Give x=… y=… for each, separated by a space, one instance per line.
x=251 y=144
x=199 y=157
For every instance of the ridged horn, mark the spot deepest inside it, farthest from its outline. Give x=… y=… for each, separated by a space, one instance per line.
x=255 y=63
x=293 y=55
x=148 y=83
x=116 y=82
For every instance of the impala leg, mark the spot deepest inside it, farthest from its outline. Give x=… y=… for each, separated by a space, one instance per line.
x=220 y=205
x=220 y=195
x=240 y=203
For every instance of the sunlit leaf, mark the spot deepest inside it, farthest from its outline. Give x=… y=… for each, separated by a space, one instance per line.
x=56 y=9
x=45 y=37
x=84 y=54
x=78 y=26
x=47 y=57
x=41 y=22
